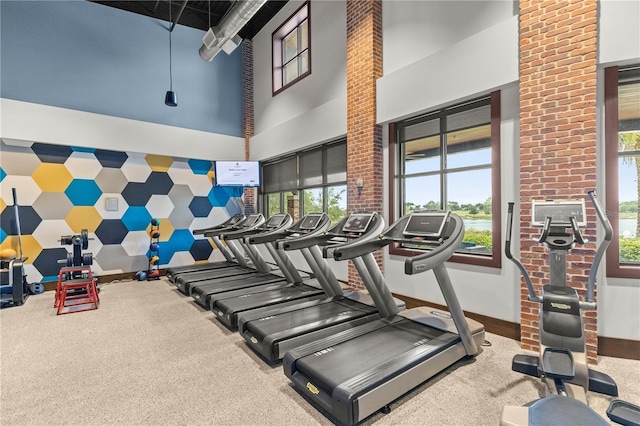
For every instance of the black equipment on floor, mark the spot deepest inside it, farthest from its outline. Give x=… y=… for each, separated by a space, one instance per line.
x=229 y=223
x=237 y=263
x=202 y=291
x=358 y=371
x=14 y=287
x=271 y=332
x=229 y=306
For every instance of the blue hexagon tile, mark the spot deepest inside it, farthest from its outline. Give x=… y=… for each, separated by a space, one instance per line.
x=83 y=192
x=200 y=167
x=136 y=218
x=180 y=193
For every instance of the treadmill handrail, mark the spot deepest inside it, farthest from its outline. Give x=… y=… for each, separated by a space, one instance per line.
x=268 y=233
x=313 y=238
x=241 y=233
x=226 y=224
x=352 y=248
x=276 y=235
x=440 y=254
x=235 y=227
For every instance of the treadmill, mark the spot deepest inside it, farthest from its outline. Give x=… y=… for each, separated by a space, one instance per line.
x=175 y=270
x=273 y=229
x=272 y=332
x=185 y=280
x=229 y=305
x=355 y=373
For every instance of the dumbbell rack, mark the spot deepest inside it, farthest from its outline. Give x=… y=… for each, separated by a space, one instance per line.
x=75 y=266
x=79 y=242
x=153 y=271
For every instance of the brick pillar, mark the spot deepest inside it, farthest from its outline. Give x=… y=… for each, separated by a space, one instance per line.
x=247 y=116
x=364 y=137
x=558 y=52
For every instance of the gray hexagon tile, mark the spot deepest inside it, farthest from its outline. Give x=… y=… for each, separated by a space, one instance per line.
x=52 y=205
x=18 y=160
x=111 y=180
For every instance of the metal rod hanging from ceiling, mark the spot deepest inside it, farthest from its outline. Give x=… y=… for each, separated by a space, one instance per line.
x=173 y=24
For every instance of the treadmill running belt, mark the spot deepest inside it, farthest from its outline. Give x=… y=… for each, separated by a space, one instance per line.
x=233 y=283
x=213 y=273
x=293 y=323
x=262 y=298
x=337 y=364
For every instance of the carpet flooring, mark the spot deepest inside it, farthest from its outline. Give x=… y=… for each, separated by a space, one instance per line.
x=150 y=356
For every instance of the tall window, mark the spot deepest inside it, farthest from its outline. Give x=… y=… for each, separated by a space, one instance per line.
x=622 y=140
x=292 y=50
x=307 y=182
x=450 y=159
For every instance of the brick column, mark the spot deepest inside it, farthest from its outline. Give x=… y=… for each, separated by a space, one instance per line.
x=247 y=116
x=558 y=52
x=364 y=137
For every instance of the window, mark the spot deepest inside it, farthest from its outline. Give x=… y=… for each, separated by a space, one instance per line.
x=292 y=50
x=622 y=152
x=450 y=159
x=307 y=182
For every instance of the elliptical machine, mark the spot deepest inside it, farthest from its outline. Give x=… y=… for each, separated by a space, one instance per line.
x=562 y=363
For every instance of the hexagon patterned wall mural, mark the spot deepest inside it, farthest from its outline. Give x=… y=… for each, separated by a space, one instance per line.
x=114 y=195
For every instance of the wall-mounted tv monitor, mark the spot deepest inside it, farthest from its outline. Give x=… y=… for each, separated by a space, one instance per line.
x=237 y=173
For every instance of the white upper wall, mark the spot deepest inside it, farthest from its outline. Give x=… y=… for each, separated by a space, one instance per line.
x=470 y=65
x=61 y=126
x=413 y=30
x=619 y=32
x=314 y=110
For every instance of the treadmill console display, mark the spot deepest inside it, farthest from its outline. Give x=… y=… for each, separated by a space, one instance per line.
x=251 y=220
x=357 y=222
x=275 y=221
x=560 y=212
x=311 y=221
x=430 y=225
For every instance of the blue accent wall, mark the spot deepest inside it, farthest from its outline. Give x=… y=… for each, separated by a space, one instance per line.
x=89 y=57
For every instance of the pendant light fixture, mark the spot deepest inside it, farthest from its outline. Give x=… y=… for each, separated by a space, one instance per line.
x=170 y=99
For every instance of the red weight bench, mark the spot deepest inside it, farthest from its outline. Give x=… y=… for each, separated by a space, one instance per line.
x=76 y=290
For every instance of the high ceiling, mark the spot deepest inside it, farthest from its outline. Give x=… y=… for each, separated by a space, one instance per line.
x=195 y=14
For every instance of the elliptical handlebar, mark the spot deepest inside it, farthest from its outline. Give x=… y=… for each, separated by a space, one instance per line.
x=507 y=251
x=546 y=228
x=577 y=235
x=608 y=236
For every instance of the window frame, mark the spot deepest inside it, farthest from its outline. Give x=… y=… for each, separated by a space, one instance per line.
x=302 y=14
x=325 y=185
x=615 y=269
x=395 y=194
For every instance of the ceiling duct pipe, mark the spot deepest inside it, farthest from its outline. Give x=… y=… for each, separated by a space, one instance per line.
x=225 y=36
